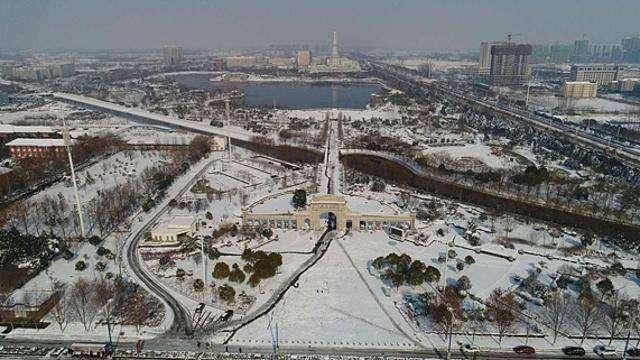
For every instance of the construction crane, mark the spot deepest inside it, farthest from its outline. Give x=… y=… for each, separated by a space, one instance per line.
x=510 y=35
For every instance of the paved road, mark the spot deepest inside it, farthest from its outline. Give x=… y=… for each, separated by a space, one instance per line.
x=149 y=117
x=612 y=148
x=161 y=351
x=181 y=320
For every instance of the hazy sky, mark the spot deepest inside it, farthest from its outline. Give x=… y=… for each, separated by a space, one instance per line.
x=418 y=24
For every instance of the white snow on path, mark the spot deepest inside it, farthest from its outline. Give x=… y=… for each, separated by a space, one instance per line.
x=331 y=307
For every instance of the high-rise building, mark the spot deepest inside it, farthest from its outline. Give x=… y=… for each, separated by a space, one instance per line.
x=172 y=55
x=579 y=89
x=560 y=53
x=509 y=63
x=631 y=49
x=303 y=58
x=581 y=49
x=602 y=74
x=484 y=62
x=606 y=52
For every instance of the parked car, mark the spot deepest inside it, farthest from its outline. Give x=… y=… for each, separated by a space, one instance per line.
x=524 y=349
x=605 y=352
x=468 y=348
x=633 y=352
x=574 y=351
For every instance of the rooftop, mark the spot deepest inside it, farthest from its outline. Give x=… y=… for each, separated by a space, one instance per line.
x=36 y=142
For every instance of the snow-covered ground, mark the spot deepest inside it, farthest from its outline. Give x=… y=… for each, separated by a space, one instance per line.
x=104 y=174
x=476 y=151
x=382 y=113
x=331 y=307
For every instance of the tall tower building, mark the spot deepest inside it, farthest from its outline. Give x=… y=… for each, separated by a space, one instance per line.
x=172 y=55
x=334 y=48
x=484 y=62
x=509 y=63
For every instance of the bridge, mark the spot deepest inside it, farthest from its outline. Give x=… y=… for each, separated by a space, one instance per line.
x=144 y=116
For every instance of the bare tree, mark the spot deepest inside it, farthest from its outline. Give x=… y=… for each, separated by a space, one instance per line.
x=18 y=216
x=60 y=309
x=501 y=309
x=586 y=313
x=555 y=312
x=80 y=302
x=614 y=315
x=105 y=300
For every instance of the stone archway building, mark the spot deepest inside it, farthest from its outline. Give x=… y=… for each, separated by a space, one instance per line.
x=312 y=217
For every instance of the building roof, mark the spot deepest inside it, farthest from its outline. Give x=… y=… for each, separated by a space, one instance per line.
x=36 y=142
x=13 y=129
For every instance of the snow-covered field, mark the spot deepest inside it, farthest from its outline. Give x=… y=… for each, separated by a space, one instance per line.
x=331 y=307
x=104 y=174
x=476 y=151
x=384 y=113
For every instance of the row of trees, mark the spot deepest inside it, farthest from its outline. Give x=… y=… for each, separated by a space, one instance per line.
x=32 y=171
x=111 y=301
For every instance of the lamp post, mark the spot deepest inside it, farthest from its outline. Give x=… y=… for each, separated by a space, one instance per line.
x=67 y=145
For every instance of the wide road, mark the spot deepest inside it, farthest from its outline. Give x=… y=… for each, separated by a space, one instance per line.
x=266 y=352
x=153 y=118
x=613 y=148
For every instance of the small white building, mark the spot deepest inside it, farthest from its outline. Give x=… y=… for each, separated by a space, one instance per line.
x=177 y=228
x=218 y=143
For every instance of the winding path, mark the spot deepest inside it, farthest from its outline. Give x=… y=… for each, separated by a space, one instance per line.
x=181 y=321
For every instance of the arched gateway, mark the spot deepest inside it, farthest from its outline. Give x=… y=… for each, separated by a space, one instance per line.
x=327 y=210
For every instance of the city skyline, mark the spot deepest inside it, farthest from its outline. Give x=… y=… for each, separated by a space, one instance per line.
x=429 y=25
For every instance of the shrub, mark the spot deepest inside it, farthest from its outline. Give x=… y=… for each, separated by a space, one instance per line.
x=237 y=275
x=227 y=293
x=267 y=233
x=618 y=269
x=95 y=240
x=300 y=198
x=198 y=285
x=246 y=254
x=452 y=254
x=102 y=251
x=460 y=266
x=100 y=266
x=432 y=274
x=81 y=265
x=209 y=215
x=213 y=253
x=474 y=241
x=180 y=273
x=469 y=260
x=377 y=186
x=605 y=286
x=463 y=283
x=166 y=262
x=221 y=270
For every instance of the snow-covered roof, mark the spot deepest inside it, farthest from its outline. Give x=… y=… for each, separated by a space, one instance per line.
x=36 y=142
x=12 y=129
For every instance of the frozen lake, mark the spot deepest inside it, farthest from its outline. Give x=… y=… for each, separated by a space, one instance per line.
x=289 y=95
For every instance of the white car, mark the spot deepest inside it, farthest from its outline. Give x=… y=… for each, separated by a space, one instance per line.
x=605 y=352
x=468 y=348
